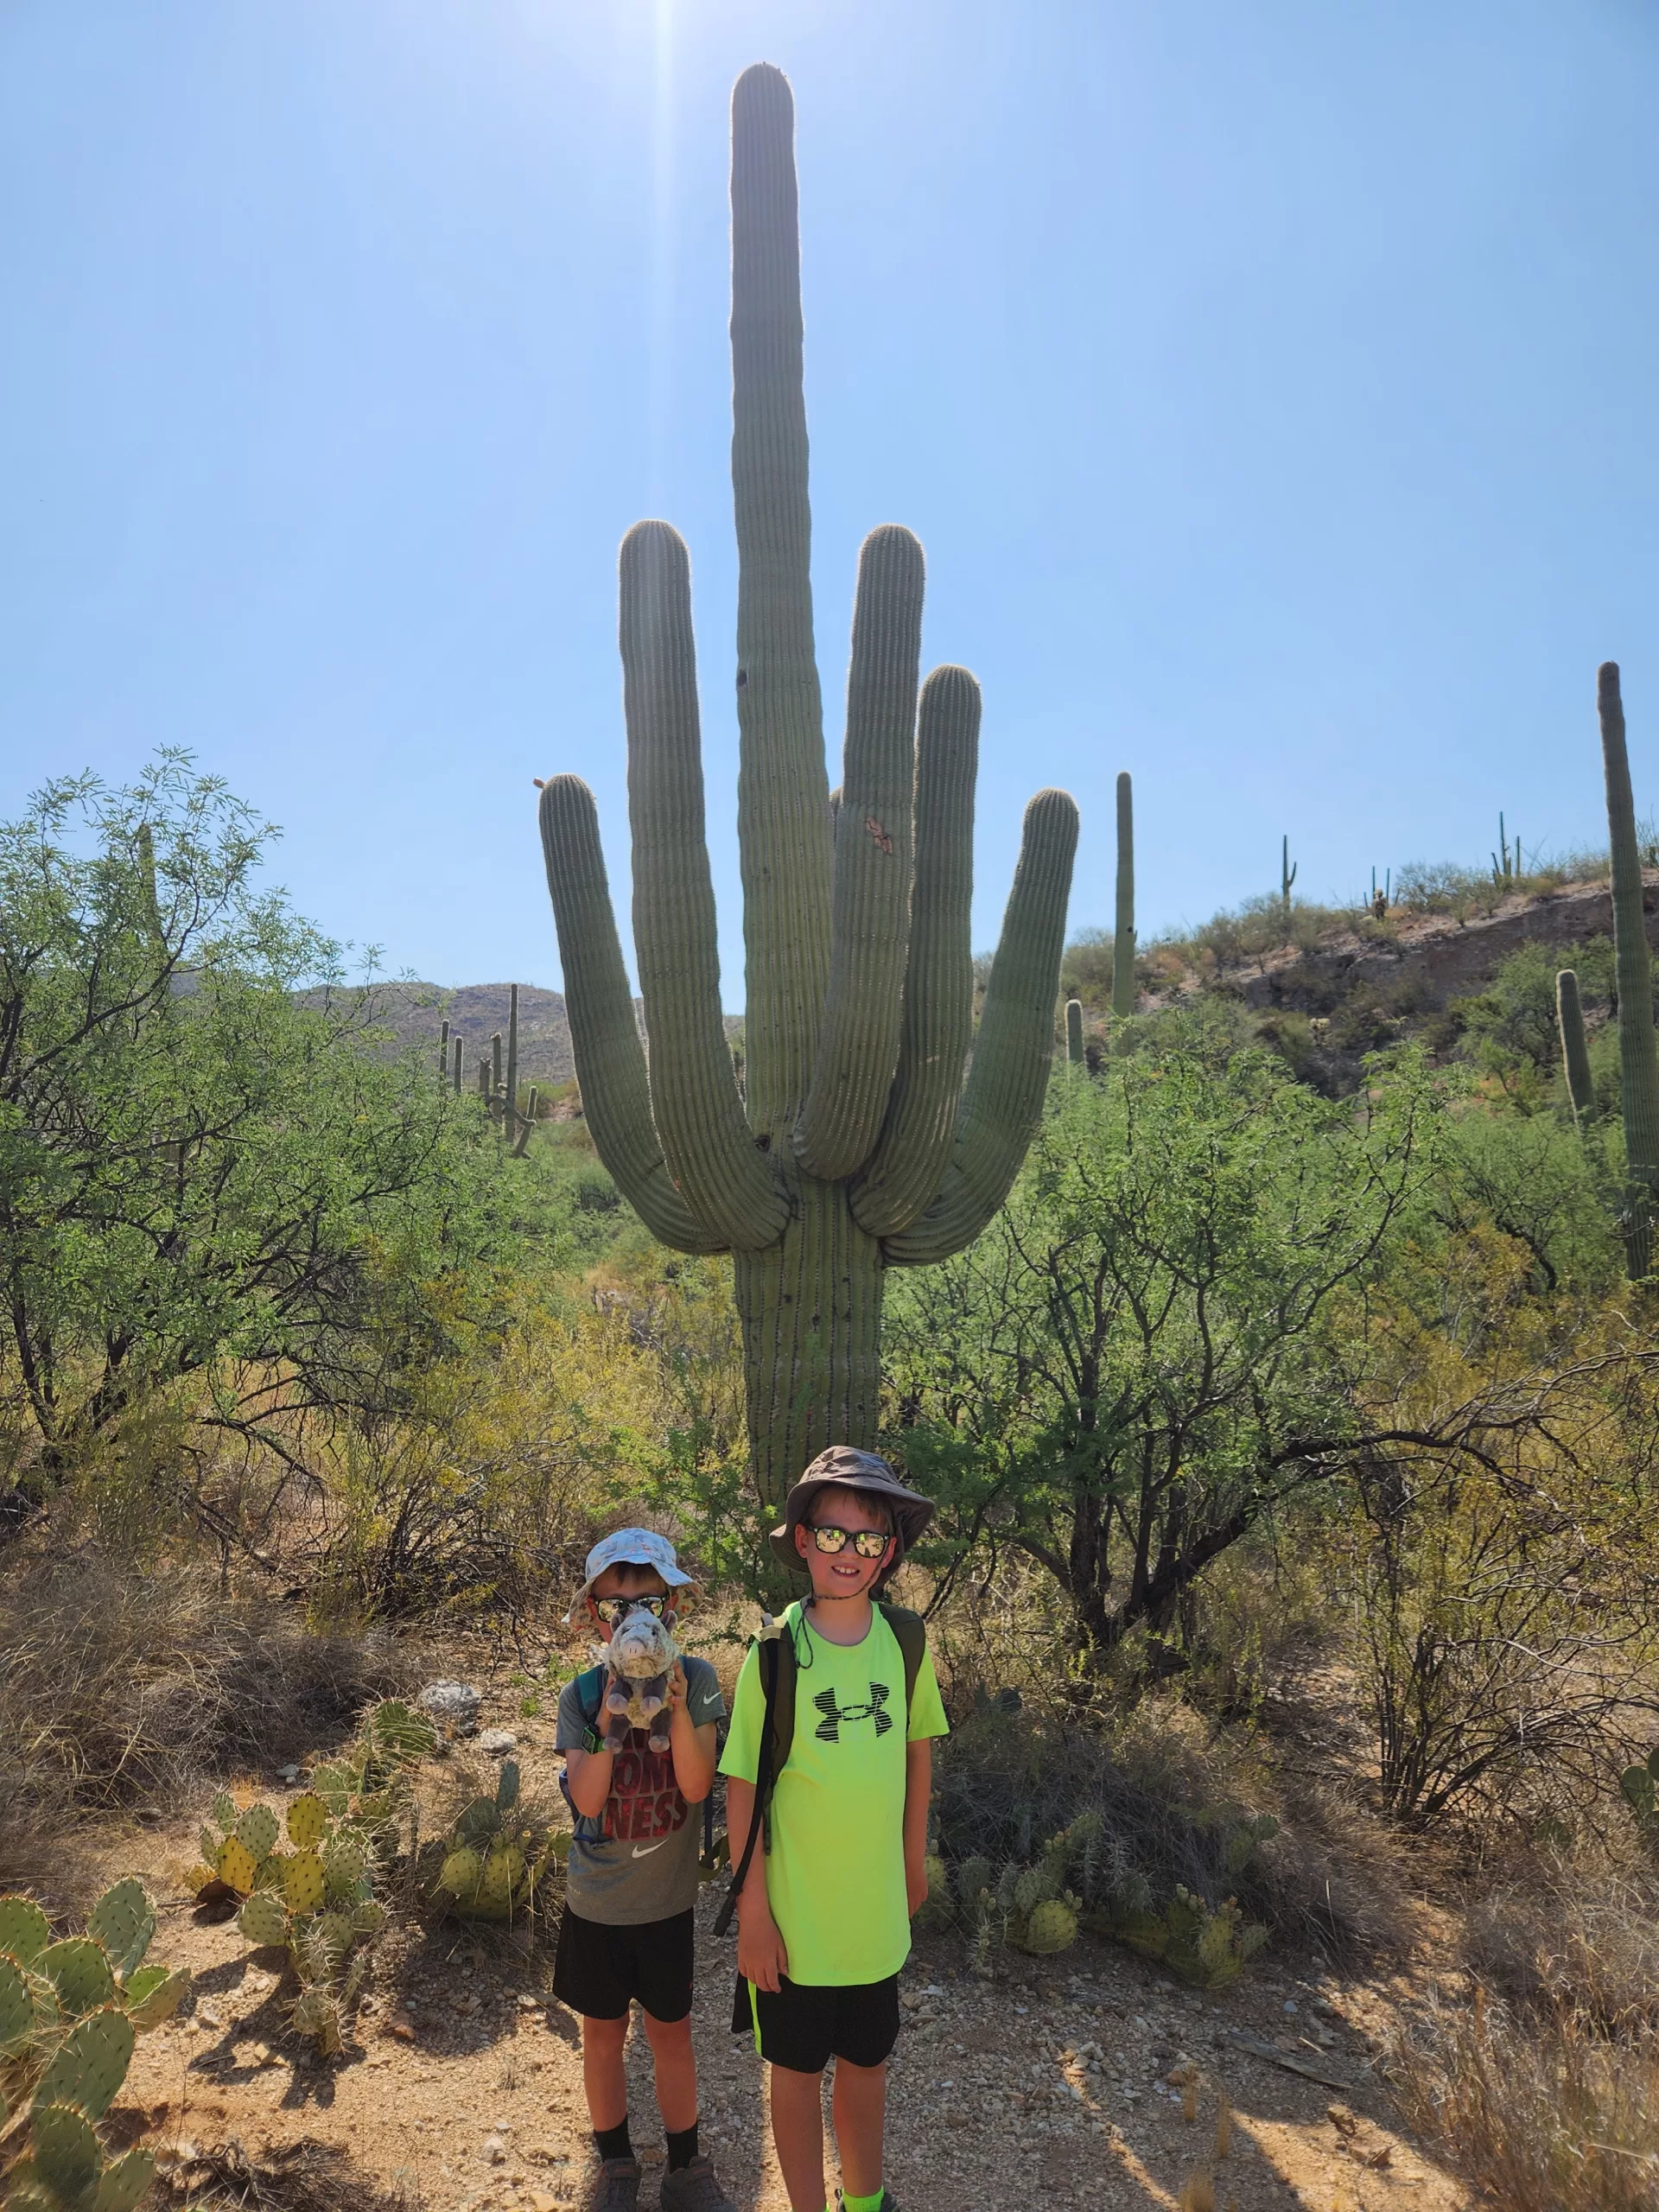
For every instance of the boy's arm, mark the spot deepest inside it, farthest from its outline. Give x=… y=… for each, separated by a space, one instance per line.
x=589 y=1777
x=761 y=1957
x=690 y=1747
x=919 y=1791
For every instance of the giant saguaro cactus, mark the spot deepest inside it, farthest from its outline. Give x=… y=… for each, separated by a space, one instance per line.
x=1123 y=921
x=856 y=1145
x=1638 y=1059
x=1575 y=1050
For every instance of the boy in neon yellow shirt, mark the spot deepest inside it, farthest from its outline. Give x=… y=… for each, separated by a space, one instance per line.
x=823 y=1915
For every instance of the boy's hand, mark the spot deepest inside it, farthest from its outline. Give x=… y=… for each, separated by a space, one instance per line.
x=676 y=1687
x=761 y=1957
x=915 y=1885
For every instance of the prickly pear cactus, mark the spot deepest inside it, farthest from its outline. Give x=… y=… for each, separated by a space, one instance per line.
x=499 y=1852
x=69 y=2008
x=65 y=2170
x=1052 y=1927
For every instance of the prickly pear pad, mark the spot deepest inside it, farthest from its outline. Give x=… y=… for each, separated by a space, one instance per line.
x=124 y=1922
x=237 y=1866
x=66 y=2151
x=89 y=2066
x=16 y=2011
x=24 y=1930
x=80 y=1973
x=262 y=1920
x=305 y=1884
x=257 y=1829
x=308 y=1817
x=124 y=2183
x=155 y=1994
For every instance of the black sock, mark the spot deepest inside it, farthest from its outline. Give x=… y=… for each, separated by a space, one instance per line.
x=613 y=2142
x=682 y=2146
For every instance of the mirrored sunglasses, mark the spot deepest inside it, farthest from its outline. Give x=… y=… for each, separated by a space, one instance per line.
x=868 y=1543
x=616 y=1610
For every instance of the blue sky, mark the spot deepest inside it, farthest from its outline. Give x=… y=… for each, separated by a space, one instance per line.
x=1272 y=387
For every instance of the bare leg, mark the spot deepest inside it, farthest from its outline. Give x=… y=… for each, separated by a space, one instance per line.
x=676 y=2072
x=860 y=2104
x=797 y=2132
x=603 y=2075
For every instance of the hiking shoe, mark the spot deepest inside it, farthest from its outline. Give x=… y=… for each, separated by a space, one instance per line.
x=694 y=2188
x=616 y=2186
x=889 y=2203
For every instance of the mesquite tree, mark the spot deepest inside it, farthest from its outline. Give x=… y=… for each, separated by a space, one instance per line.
x=856 y=1144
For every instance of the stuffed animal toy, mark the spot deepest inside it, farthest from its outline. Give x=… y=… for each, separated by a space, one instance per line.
x=639 y=1655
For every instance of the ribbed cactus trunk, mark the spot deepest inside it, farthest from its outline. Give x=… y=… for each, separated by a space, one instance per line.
x=509 y=1102
x=1575 y=1052
x=1123 y=925
x=1638 y=1058
x=854 y=1145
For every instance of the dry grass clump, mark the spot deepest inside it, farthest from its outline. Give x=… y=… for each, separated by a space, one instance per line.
x=1544 y=2090
x=296 y=2178
x=1537 y=2112
x=119 y=1687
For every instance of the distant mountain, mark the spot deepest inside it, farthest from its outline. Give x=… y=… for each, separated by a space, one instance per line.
x=415 y=1013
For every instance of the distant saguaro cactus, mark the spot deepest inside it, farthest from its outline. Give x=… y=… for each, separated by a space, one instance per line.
x=1074 y=1032
x=1123 y=925
x=1288 y=868
x=1575 y=1053
x=854 y=1145
x=1639 y=1057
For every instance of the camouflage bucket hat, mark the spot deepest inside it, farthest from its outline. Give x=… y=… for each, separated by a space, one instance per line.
x=843 y=1467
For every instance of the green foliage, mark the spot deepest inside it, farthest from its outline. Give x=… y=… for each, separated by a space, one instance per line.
x=1153 y=1346
x=201 y=1176
x=1639 y=1786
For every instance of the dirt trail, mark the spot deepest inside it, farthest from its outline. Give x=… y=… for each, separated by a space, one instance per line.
x=1056 y=2084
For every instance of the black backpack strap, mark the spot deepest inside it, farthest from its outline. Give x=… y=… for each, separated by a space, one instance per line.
x=912 y=1631
x=770 y=1668
x=590 y=1688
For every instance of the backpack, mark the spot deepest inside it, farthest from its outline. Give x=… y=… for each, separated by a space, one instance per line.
x=779 y=1670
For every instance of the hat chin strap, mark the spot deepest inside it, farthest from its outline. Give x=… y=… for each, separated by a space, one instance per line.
x=840 y=1597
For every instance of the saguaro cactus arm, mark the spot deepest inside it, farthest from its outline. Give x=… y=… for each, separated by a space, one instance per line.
x=1123 y=925
x=1002 y=1102
x=604 y=1035
x=1575 y=1053
x=710 y=1155
x=1074 y=1033
x=785 y=841
x=1638 y=1059
x=858 y=1042
x=902 y=1176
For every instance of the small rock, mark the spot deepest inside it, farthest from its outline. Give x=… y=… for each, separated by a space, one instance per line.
x=457 y=1705
x=526 y=2002
x=496 y=1743
x=288 y=1773
x=403 y=2030
x=1291 y=2005
x=495 y=2150
x=188 y=2154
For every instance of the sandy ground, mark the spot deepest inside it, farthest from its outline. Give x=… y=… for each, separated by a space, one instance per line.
x=1088 y=2081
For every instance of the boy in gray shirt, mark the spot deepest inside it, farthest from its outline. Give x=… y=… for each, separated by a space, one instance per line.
x=628 y=1927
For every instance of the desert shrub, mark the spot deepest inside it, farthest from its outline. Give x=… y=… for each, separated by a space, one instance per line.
x=122 y=1688
x=304 y=2177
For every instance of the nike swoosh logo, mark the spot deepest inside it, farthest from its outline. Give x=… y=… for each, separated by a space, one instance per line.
x=649 y=1848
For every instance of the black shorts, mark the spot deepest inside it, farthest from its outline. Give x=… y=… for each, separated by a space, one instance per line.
x=807 y=2024
x=601 y=1969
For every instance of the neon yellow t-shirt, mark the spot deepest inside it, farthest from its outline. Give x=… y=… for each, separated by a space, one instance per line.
x=836 y=1872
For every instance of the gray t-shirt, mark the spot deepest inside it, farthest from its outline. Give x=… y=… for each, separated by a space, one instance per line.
x=637 y=1860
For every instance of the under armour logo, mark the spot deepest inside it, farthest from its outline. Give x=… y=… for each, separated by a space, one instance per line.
x=828 y=1729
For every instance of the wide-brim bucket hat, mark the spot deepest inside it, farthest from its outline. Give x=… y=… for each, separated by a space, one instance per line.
x=631 y=1548
x=844 y=1467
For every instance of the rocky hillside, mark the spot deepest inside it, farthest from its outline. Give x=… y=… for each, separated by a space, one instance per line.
x=1422 y=962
